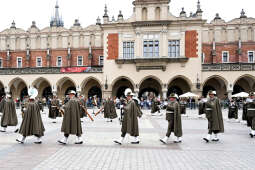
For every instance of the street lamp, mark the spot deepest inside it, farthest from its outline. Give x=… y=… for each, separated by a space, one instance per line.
x=106 y=85
x=198 y=84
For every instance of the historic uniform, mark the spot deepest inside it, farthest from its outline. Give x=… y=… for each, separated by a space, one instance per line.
x=83 y=104
x=154 y=106
x=244 y=116
x=71 y=122
x=54 y=109
x=200 y=107
x=183 y=106
x=109 y=110
x=24 y=104
x=251 y=113
x=214 y=117
x=173 y=116
x=233 y=110
x=9 y=117
x=32 y=124
x=130 y=121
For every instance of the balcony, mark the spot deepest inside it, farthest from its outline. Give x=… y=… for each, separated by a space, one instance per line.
x=229 y=67
x=155 y=63
x=51 y=70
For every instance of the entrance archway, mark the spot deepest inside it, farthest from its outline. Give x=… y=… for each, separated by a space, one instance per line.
x=244 y=83
x=150 y=85
x=179 y=86
x=120 y=85
x=215 y=83
x=43 y=86
x=64 y=85
x=91 y=87
x=18 y=88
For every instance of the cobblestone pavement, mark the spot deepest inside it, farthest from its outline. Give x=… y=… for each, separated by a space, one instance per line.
x=236 y=150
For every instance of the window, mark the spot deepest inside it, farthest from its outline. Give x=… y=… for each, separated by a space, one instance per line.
x=225 y=57
x=59 y=61
x=1 y=63
x=251 y=56
x=101 y=60
x=80 y=61
x=144 y=14
x=203 y=58
x=38 y=61
x=128 y=50
x=174 y=48
x=19 y=62
x=151 y=48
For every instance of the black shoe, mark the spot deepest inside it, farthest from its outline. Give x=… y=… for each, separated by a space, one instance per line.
x=117 y=142
x=38 y=142
x=162 y=141
x=135 y=142
x=205 y=139
x=21 y=142
x=178 y=141
x=54 y=122
x=251 y=135
x=79 y=143
x=110 y=121
x=16 y=131
x=59 y=141
x=215 y=140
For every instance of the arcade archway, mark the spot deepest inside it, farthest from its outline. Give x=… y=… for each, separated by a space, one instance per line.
x=91 y=87
x=217 y=84
x=178 y=86
x=120 y=85
x=64 y=85
x=18 y=88
x=43 y=86
x=245 y=83
x=148 y=86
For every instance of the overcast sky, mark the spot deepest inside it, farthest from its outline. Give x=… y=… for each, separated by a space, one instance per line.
x=25 y=11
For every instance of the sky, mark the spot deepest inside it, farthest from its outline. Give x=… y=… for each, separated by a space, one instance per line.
x=23 y=12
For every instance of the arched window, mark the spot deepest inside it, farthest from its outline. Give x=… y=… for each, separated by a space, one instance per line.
x=144 y=14
x=157 y=13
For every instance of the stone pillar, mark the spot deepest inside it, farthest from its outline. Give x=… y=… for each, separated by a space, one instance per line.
x=164 y=91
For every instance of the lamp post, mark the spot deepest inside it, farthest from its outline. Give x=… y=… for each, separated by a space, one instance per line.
x=198 y=84
x=106 y=85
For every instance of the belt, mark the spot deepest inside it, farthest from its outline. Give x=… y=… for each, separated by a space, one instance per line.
x=251 y=109
x=208 y=109
x=170 y=112
x=53 y=106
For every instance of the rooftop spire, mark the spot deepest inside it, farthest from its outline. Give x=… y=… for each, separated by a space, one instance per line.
x=56 y=20
x=105 y=11
x=199 y=10
x=243 y=14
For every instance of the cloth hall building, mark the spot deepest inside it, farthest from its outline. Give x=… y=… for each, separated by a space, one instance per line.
x=152 y=50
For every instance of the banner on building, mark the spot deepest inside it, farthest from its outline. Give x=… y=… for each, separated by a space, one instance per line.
x=75 y=69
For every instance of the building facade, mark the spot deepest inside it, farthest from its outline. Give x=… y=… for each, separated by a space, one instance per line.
x=152 y=51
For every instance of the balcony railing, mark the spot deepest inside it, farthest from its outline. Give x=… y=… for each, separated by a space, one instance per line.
x=51 y=70
x=152 y=59
x=229 y=67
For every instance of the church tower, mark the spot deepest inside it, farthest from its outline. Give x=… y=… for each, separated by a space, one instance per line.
x=56 y=21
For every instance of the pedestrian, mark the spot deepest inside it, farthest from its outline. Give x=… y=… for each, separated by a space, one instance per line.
x=82 y=101
x=233 y=111
x=173 y=116
x=214 y=117
x=154 y=105
x=109 y=110
x=130 y=121
x=9 y=117
x=251 y=113
x=32 y=124
x=183 y=106
x=71 y=124
x=54 y=111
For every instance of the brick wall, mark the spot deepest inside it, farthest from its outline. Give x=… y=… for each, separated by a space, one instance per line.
x=191 y=44
x=54 y=54
x=113 y=46
x=232 y=48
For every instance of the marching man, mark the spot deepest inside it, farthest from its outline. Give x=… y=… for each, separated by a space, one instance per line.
x=214 y=117
x=130 y=121
x=173 y=116
x=32 y=124
x=71 y=122
x=9 y=117
x=251 y=113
